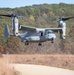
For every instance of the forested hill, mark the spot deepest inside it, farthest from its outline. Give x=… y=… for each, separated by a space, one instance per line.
x=35 y=16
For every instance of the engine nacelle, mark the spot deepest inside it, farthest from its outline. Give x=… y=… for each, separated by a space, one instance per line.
x=63 y=31
x=15 y=26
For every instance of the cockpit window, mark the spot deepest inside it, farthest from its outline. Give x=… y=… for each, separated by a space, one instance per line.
x=41 y=33
x=49 y=32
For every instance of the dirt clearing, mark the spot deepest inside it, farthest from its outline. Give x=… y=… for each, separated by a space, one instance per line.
x=61 y=61
x=27 y=69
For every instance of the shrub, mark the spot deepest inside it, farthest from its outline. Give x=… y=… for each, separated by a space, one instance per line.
x=1 y=50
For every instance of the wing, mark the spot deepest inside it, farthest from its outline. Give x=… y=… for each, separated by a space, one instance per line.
x=53 y=29
x=27 y=28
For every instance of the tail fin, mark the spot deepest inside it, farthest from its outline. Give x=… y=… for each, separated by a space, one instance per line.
x=6 y=32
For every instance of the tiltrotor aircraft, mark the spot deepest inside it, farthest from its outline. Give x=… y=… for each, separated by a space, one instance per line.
x=33 y=34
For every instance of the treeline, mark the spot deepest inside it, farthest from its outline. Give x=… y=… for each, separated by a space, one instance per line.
x=36 y=15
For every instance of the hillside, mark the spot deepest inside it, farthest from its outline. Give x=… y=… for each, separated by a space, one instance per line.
x=35 y=16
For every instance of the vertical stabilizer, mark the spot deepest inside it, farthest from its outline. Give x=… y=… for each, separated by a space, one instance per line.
x=6 y=32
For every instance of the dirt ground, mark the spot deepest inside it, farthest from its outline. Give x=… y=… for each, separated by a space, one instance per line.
x=29 y=69
x=61 y=61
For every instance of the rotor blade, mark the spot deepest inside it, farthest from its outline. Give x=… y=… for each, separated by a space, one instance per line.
x=64 y=19
x=7 y=15
x=11 y=15
x=59 y=19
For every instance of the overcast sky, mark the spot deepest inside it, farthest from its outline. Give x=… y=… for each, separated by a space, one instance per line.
x=20 y=3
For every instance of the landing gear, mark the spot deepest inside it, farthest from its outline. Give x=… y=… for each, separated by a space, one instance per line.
x=52 y=40
x=39 y=44
x=26 y=43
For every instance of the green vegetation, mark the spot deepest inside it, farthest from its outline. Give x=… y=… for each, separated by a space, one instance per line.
x=36 y=16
